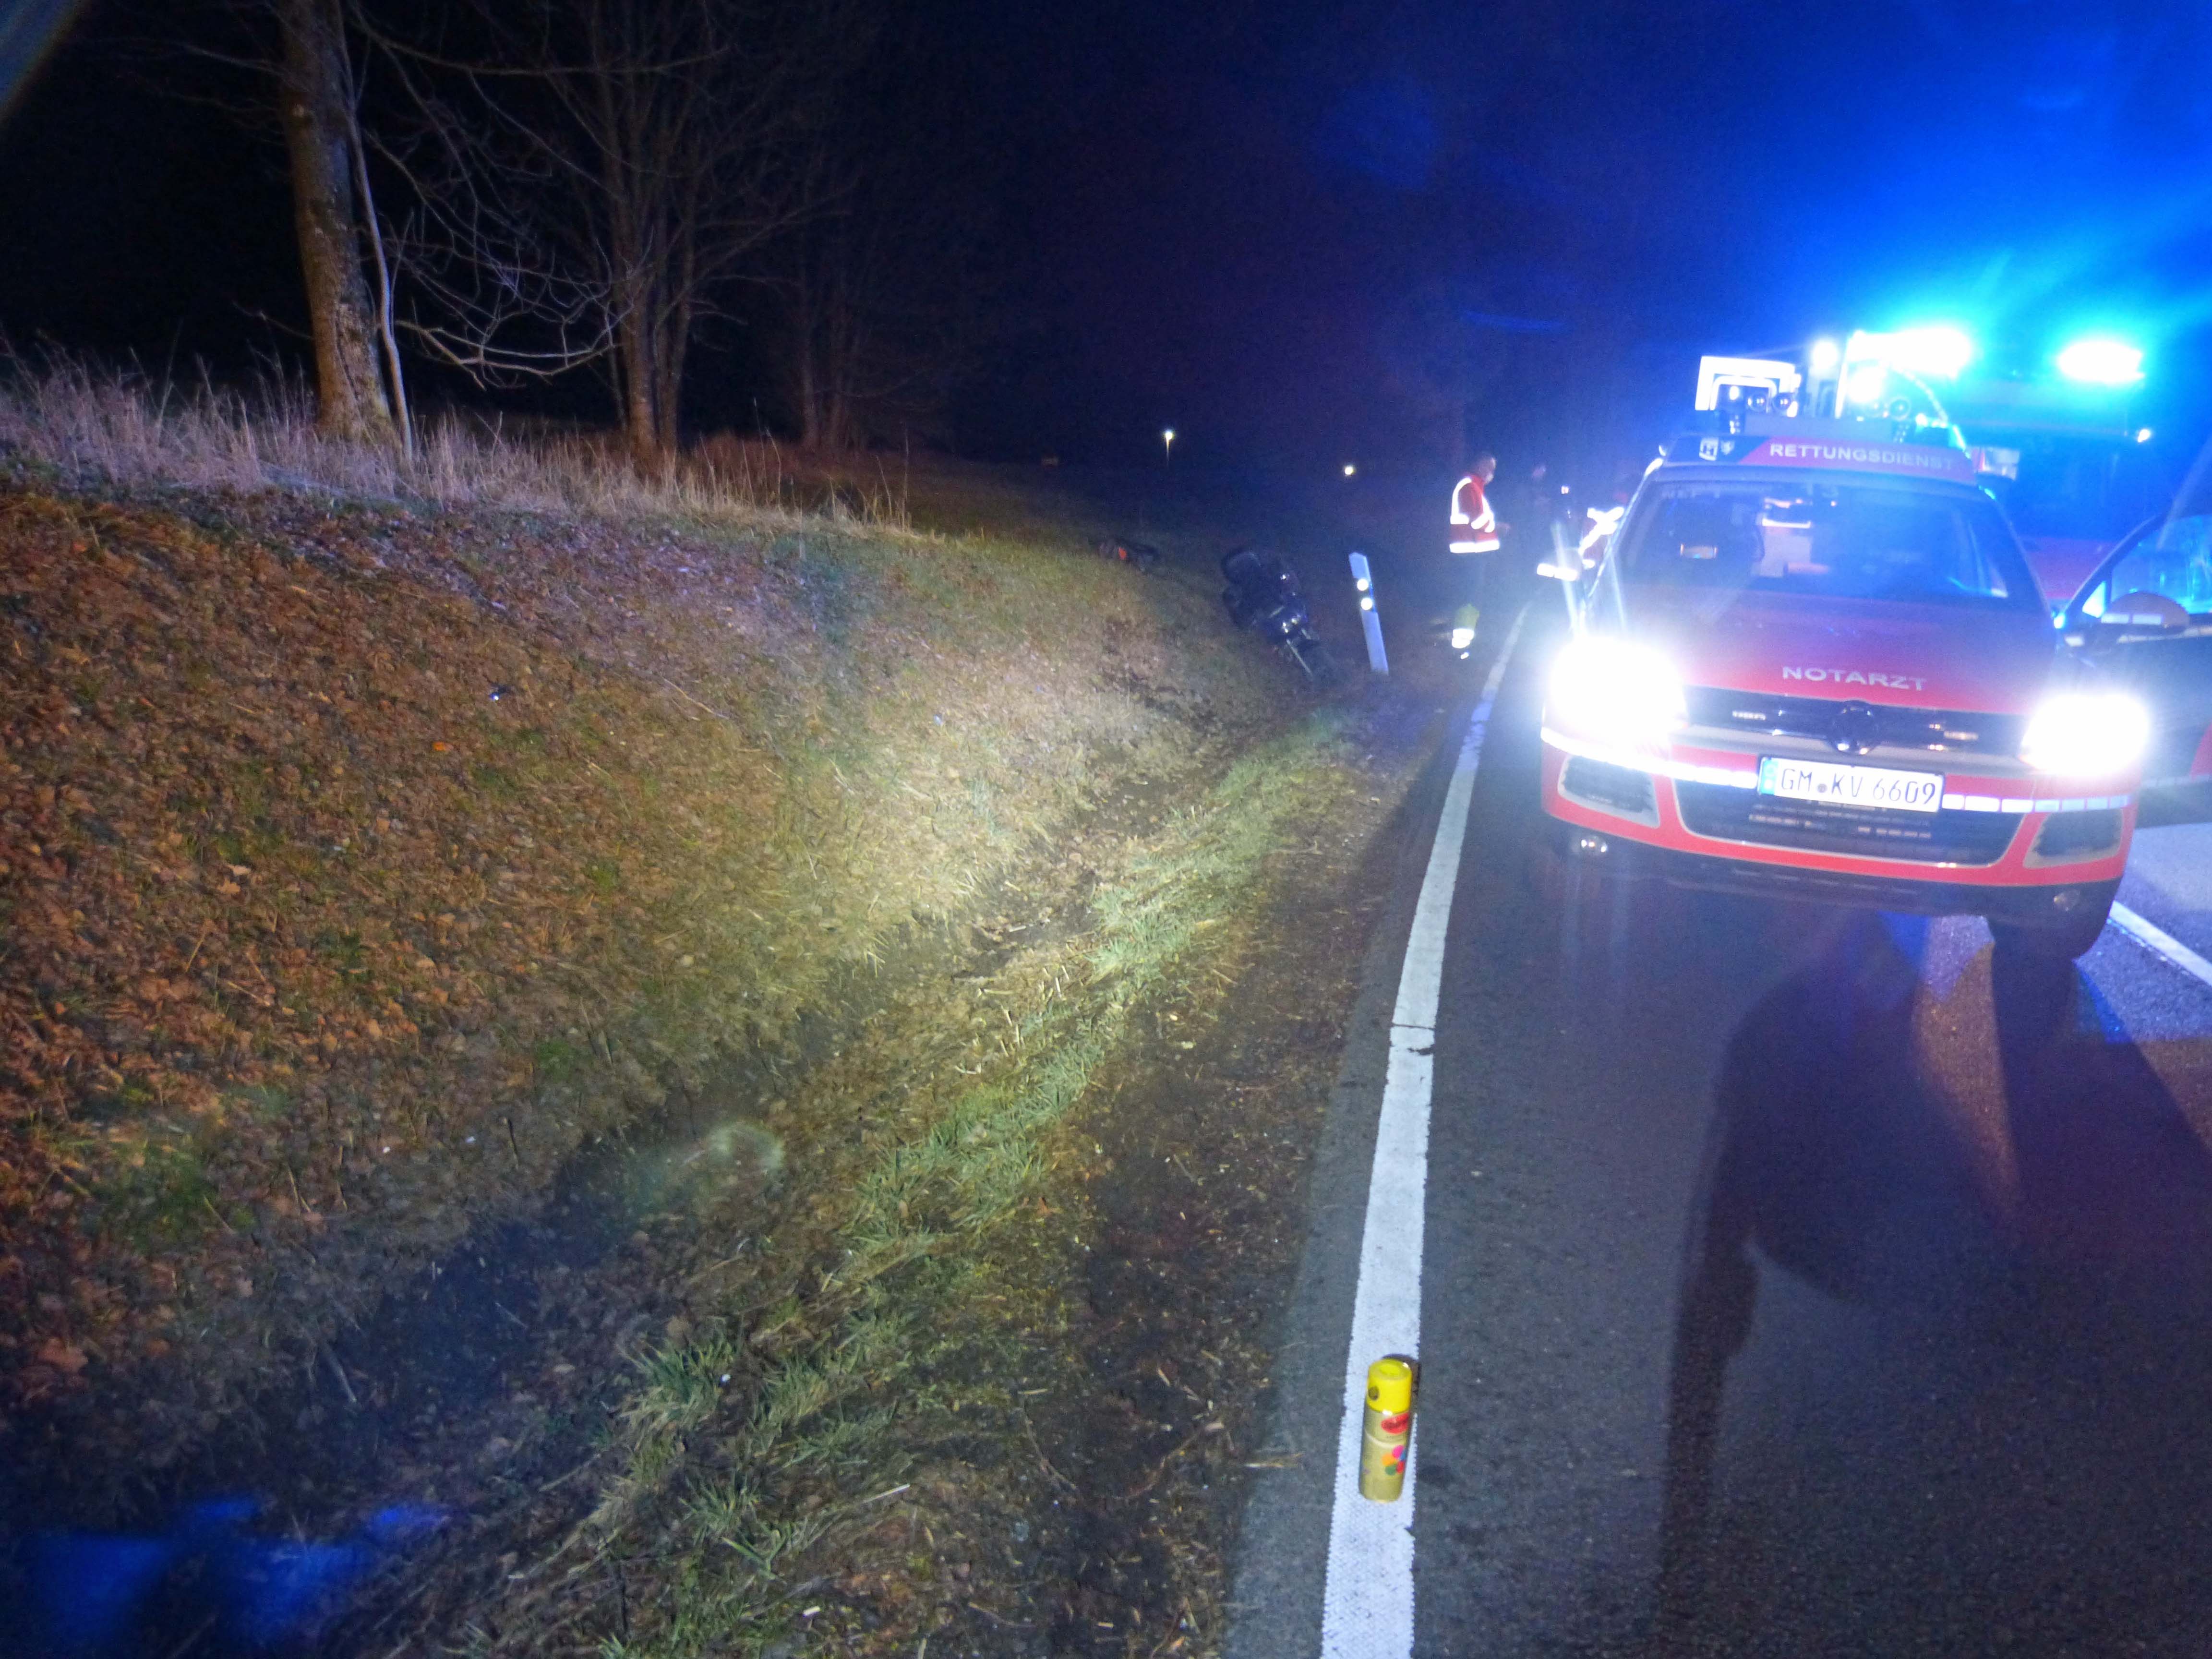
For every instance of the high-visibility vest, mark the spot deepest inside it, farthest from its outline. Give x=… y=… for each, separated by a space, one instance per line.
x=1473 y=520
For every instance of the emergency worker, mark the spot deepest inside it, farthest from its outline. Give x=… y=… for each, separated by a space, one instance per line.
x=1475 y=533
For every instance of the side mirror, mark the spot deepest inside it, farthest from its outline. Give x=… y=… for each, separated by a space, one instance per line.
x=2144 y=613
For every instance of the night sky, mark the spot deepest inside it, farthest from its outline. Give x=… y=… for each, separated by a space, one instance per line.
x=1304 y=234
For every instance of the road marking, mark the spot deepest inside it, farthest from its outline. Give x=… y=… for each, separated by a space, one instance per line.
x=1367 y=1609
x=2150 y=934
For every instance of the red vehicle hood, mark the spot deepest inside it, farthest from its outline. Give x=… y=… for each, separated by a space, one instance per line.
x=1914 y=656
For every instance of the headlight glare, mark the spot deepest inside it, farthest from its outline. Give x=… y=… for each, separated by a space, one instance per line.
x=2087 y=734
x=1615 y=691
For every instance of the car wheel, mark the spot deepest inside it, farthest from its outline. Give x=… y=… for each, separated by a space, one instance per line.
x=2065 y=939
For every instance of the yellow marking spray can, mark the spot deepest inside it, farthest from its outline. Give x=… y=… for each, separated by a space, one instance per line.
x=1387 y=1430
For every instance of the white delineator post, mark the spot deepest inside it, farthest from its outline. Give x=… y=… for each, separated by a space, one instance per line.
x=1363 y=580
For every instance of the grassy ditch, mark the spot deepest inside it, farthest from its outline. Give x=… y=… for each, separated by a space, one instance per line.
x=589 y=1011
x=360 y=863
x=755 y=1454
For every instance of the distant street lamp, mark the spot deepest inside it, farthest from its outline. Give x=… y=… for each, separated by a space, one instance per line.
x=1349 y=468
x=1167 y=447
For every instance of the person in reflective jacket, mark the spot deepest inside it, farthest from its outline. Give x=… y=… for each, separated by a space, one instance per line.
x=1474 y=528
x=1474 y=521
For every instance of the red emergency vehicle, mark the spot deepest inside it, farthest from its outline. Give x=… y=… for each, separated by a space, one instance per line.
x=1815 y=663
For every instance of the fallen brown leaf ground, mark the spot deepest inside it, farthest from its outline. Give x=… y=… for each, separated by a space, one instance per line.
x=387 y=891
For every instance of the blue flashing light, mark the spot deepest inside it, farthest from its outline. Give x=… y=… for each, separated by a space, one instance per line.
x=1934 y=352
x=2101 y=362
x=1940 y=350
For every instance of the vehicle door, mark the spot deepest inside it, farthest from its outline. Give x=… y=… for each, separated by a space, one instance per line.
x=1576 y=565
x=2145 y=618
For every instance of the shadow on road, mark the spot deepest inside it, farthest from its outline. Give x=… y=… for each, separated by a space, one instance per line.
x=1985 y=1427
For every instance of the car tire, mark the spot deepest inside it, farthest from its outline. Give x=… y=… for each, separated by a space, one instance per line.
x=2065 y=940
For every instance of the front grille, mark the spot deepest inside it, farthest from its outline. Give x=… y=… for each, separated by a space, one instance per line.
x=1940 y=838
x=2076 y=835
x=1617 y=788
x=1942 y=730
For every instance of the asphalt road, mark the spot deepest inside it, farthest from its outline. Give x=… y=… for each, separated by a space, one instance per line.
x=1795 y=1281
x=2170 y=881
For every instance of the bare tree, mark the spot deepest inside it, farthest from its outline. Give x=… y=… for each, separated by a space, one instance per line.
x=317 y=96
x=299 y=70
x=591 y=176
x=884 y=282
x=880 y=314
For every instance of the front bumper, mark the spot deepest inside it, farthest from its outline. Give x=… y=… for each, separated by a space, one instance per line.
x=2042 y=906
x=2003 y=846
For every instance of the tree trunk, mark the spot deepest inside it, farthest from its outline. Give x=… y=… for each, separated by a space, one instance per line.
x=822 y=330
x=841 y=368
x=675 y=325
x=844 y=373
x=641 y=411
x=807 y=366
x=317 y=92
x=810 y=402
x=674 y=346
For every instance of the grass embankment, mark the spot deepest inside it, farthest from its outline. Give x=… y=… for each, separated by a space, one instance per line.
x=357 y=864
x=364 y=861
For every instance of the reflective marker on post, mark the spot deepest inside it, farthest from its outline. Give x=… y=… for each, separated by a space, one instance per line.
x=1363 y=581
x=1387 y=1431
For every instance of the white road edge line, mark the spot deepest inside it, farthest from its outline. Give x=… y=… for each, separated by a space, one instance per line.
x=1367 y=1608
x=2155 y=938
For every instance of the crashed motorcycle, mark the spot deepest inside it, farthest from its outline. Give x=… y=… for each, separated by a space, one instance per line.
x=1264 y=597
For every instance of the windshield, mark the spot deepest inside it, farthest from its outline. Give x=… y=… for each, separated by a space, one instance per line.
x=2175 y=562
x=1826 y=540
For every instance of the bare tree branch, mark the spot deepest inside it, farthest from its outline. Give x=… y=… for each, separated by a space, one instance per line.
x=589 y=178
x=884 y=289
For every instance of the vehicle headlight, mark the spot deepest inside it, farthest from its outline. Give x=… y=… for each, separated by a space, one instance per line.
x=1616 y=691
x=2087 y=734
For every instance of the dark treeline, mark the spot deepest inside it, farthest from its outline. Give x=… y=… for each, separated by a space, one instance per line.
x=518 y=192
x=1300 y=234
x=514 y=200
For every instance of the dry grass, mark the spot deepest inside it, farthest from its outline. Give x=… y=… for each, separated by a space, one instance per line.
x=374 y=831
x=262 y=828
x=93 y=428
x=719 y=1485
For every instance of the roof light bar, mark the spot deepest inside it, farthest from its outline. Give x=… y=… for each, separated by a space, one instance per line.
x=1938 y=351
x=2101 y=362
